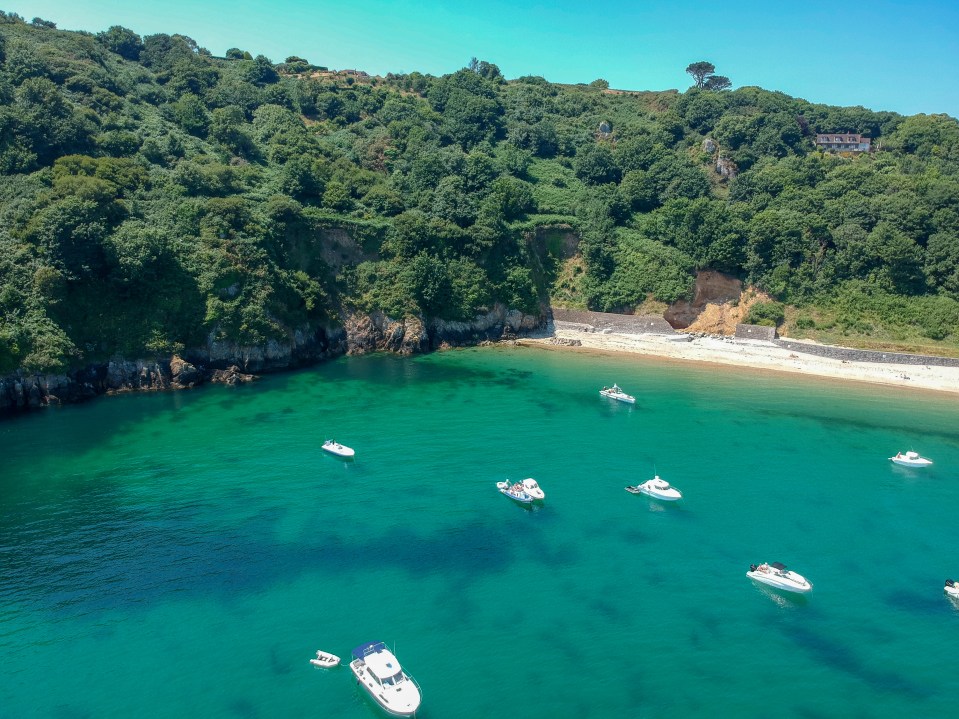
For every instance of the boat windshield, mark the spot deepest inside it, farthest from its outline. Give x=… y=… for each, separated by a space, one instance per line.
x=395 y=679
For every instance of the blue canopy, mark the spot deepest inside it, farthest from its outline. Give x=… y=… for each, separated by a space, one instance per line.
x=364 y=650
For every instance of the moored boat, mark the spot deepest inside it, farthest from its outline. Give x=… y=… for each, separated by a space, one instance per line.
x=910 y=459
x=378 y=671
x=340 y=450
x=616 y=392
x=325 y=660
x=777 y=576
x=657 y=488
x=515 y=492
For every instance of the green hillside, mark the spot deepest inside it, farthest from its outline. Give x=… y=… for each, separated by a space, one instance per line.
x=154 y=196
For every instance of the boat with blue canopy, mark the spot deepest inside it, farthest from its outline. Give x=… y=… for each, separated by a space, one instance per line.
x=378 y=671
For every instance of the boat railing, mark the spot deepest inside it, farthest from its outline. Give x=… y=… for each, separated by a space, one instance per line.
x=415 y=684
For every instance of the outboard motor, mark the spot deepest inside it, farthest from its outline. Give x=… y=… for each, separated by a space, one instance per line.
x=752 y=568
x=950 y=583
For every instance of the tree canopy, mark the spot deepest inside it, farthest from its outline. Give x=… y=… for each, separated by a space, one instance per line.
x=705 y=78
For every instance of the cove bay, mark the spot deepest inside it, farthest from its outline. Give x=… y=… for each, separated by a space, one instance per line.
x=186 y=553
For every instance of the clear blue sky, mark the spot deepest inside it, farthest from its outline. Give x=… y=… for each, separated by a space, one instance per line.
x=883 y=55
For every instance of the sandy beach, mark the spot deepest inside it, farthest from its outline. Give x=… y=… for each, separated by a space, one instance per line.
x=750 y=353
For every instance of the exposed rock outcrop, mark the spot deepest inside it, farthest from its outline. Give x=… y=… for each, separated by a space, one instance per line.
x=378 y=333
x=726 y=168
x=183 y=374
x=231 y=376
x=720 y=303
x=303 y=346
x=497 y=324
x=23 y=390
x=712 y=288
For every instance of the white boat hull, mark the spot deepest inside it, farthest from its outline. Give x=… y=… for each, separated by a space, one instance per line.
x=664 y=491
x=339 y=450
x=669 y=496
x=952 y=591
x=628 y=399
x=903 y=462
x=516 y=495
x=392 y=700
x=795 y=583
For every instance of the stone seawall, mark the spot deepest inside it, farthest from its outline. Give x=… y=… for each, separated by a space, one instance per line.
x=854 y=355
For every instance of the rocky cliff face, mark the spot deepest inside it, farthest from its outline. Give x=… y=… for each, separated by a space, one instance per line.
x=231 y=363
x=378 y=333
x=24 y=391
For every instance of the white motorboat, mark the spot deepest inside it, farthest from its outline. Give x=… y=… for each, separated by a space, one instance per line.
x=340 y=450
x=532 y=488
x=777 y=576
x=657 y=488
x=952 y=588
x=910 y=459
x=380 y=673
x=325 y=660
x=616 y=392
x=515 y=492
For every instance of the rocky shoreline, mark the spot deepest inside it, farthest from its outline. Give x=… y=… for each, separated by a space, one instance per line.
x=221 y=362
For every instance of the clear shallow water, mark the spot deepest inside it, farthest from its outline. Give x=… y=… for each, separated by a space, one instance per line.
x=185 y=554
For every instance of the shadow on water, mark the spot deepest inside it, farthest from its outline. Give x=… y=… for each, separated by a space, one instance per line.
x=129 y=556
x=915 y=602
x=842 y=657
x=279 y=666
x=811 y=713
x=243 y=708
x=69 y=711
x=859 y=424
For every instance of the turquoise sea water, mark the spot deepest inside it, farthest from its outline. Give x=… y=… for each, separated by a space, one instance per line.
x=185 y=554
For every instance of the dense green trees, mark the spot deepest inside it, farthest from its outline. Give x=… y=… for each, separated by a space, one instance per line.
x=154 y=196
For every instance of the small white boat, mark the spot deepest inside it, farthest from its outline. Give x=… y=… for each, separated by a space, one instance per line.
x=325 y=660
x=657 y=488
x=515 y=492
x=952 y=588
x=532 y=488
x=777 y=576
x=910 y=459
x=616 y=392
x=380 y=673
x=340 y=450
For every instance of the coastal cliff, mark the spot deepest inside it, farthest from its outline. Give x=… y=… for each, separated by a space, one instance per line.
x=226 y=362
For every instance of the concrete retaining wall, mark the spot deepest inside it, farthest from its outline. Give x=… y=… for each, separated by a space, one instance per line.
x=628 y=324
x=852 y=355
x=755 y=332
